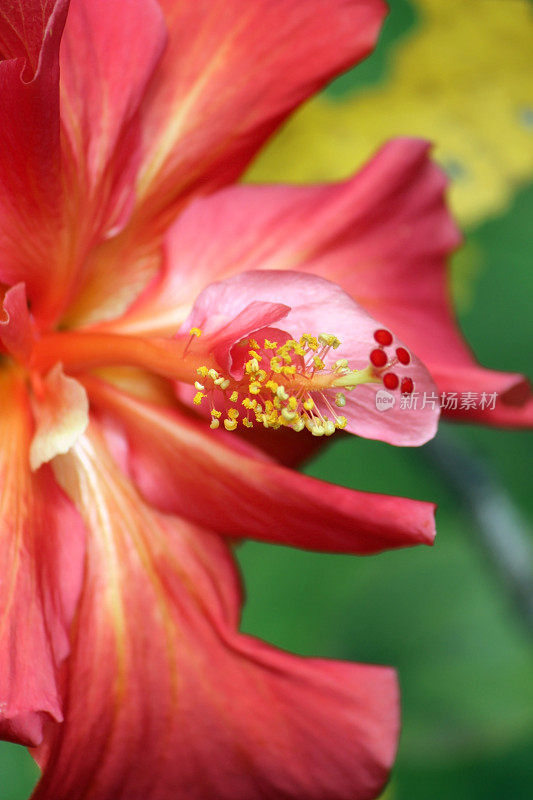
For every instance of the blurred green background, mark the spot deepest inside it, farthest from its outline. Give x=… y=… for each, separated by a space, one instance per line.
x=442 y=616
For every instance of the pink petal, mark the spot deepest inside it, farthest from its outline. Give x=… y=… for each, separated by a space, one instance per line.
x=219 y=482
x=384 y=236
x=318 y=306
x=225 y=330
x=41 y=561
x=359 y=233
x=166 y=701
x=30 y=187
x=231 y=73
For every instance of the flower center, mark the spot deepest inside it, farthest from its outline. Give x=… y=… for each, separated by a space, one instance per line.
x=295 y=385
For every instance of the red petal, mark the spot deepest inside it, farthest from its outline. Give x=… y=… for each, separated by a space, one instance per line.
x=109 y=51
x=372 y=235
x=23 y=29
x=216 y=481
x=166 y=701
x=504 y=415
x=30 y=187
x=41 y=560
x=231 y=73
x=384 y=236
x=17 y=329
x=514 y=403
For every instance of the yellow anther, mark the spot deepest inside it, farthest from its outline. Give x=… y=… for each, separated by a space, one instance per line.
x=195 y=332
x=342 y=363
x=199 y=386
x=297 y=364
x=328 y=340
x=329 y=428
x=310 y=341
x=214 y=424
x=215 y=413
x=203 y=372
x=288 y=415
x=252 y=366
x=317 y=430
x=273 y=418
x=198 y=397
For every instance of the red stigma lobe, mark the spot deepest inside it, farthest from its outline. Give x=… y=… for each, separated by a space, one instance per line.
x=383 y=337
x=378 y=358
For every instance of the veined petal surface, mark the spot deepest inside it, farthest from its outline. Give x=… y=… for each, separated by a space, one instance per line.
x=231 y=72
x=165 y=700
x=30 y=158
x=182 y=467
x=384 y=236
x=109 y=51
x=41 y=561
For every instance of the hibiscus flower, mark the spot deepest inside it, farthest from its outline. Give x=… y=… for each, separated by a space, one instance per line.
x=162 y=332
